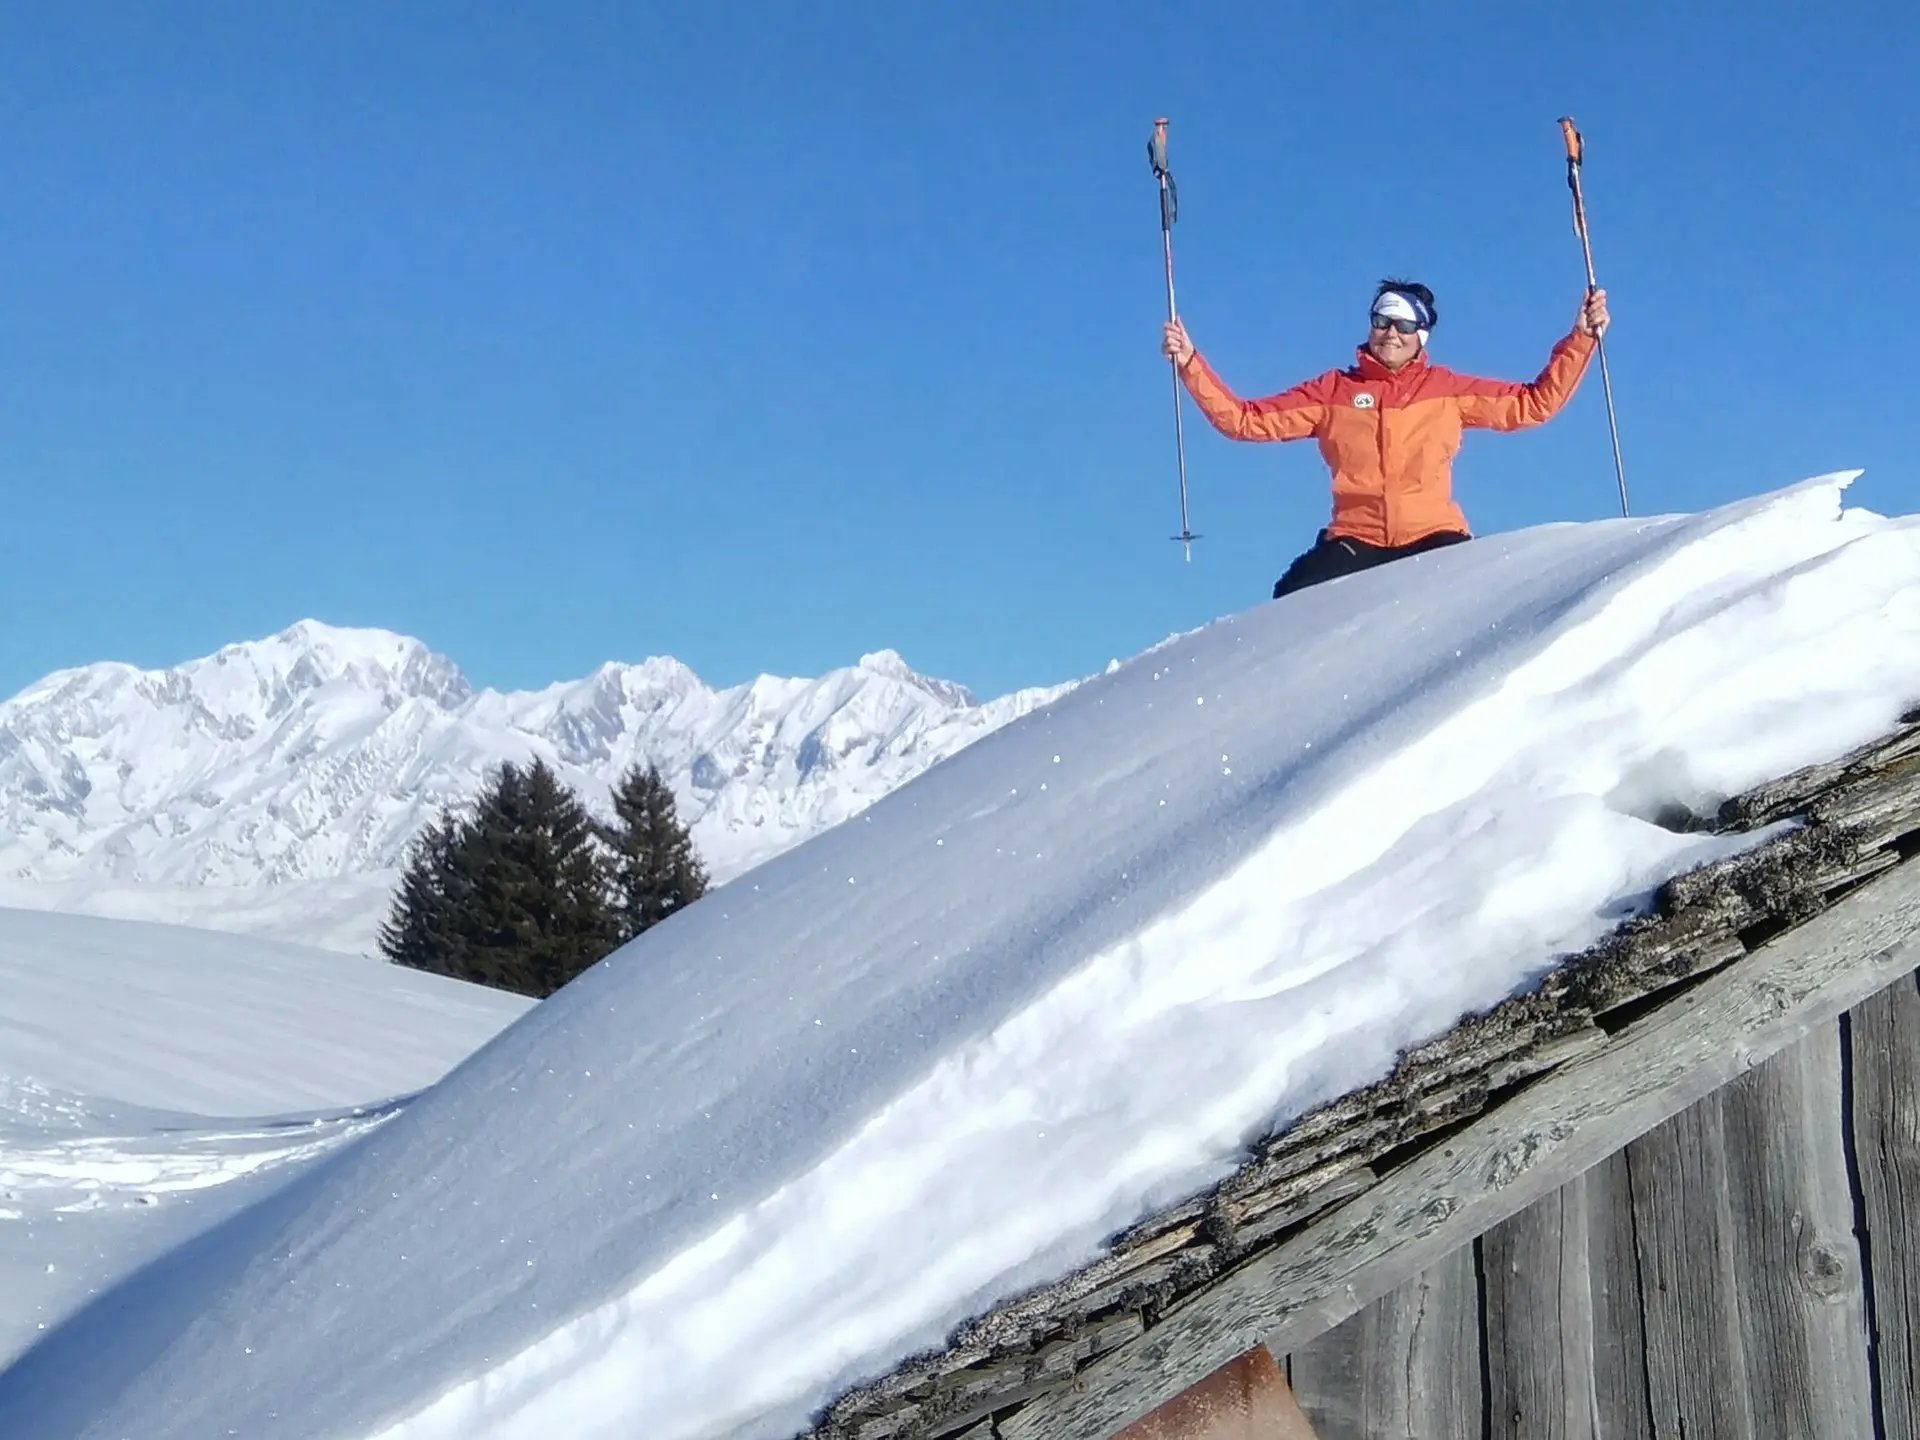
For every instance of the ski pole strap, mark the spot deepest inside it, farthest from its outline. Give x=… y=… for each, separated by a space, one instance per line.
x=1157 y=157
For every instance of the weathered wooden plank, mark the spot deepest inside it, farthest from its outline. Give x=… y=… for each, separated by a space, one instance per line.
x=1863 y=864
x=1884 y=1046
x=1663 y=956
x=1888 y=808
x=1368 y=1122
x=1150 y=1284
x=1342 y=1186
x=1538 y=1316
x=1622 y=1408
x=1084 y=1293
x=1790 y=794
x=1446 y=1195
x=1696 y=1368
x=1417 y=1099
x=1157 y=1225
x=1407 y=1364
x=1797 y=1267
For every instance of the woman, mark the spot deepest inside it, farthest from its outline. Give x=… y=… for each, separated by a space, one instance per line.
x=1389 y=427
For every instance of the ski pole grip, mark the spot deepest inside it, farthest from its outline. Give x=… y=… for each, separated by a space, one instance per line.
x=1157 y=147
x=1576 y=147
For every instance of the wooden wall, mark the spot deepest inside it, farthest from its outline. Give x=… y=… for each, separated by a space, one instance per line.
x=1749 y=1270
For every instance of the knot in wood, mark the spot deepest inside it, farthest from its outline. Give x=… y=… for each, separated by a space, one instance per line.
x=1511 y=1162
x=1824 y=1270
x=1364 y=1232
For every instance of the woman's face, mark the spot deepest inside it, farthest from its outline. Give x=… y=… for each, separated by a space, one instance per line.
x=1389 y=346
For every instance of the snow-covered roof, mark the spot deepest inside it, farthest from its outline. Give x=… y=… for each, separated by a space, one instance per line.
x=1071 y=1360
x=1069 y=977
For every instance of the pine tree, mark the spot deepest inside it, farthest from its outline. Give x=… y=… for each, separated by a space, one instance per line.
x=653 y=866
x=541 y=904
x=421 y=930
x=514 y=895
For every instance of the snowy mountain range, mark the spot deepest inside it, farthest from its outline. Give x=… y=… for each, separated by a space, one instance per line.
x=309 y=759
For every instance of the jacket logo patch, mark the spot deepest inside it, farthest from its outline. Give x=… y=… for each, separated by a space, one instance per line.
x=1363 y=401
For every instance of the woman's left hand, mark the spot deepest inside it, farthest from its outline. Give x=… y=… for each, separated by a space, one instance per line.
x=1592 y=319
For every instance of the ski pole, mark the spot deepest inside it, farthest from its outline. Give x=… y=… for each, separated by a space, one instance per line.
x=1576 y=155
x=1169 y=212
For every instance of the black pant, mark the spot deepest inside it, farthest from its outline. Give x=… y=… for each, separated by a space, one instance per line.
x=1330 y=558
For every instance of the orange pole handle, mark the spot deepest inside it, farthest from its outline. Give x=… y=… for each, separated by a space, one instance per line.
x=1576 y=147
x=1576 y=153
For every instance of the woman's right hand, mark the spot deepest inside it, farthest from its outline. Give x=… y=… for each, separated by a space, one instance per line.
x=1176 y=346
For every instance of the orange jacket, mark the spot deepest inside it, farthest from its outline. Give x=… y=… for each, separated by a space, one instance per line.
x=1390 y=436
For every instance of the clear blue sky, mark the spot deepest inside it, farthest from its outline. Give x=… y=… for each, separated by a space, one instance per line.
x=763 y=335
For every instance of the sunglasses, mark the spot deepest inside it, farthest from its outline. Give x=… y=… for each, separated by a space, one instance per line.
x=1405 y=327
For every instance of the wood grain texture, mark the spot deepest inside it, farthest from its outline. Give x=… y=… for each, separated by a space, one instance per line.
x=1884 y=1035
x=1797 y=1264
x=1696 y=1368
x=1538 y=1319
x=1622 y=1406
x=1567 y=1122
x=1406 y=1365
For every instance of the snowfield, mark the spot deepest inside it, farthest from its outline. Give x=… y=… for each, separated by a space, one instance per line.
x=342 y=913
x=132 y=1055
x=934 y=1055
x=212 y=1024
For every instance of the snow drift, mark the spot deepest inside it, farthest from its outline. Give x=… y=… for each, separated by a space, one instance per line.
x=136 y=1061
x=182 y=1019
x=935 y=1055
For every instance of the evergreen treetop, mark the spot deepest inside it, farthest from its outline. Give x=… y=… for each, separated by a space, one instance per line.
x=653 y=865
x=523 y=889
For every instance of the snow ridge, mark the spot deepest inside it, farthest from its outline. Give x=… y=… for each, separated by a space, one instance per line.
x=319 y=752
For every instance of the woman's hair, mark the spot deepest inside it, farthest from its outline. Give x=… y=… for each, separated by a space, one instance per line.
x=1414 y=288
